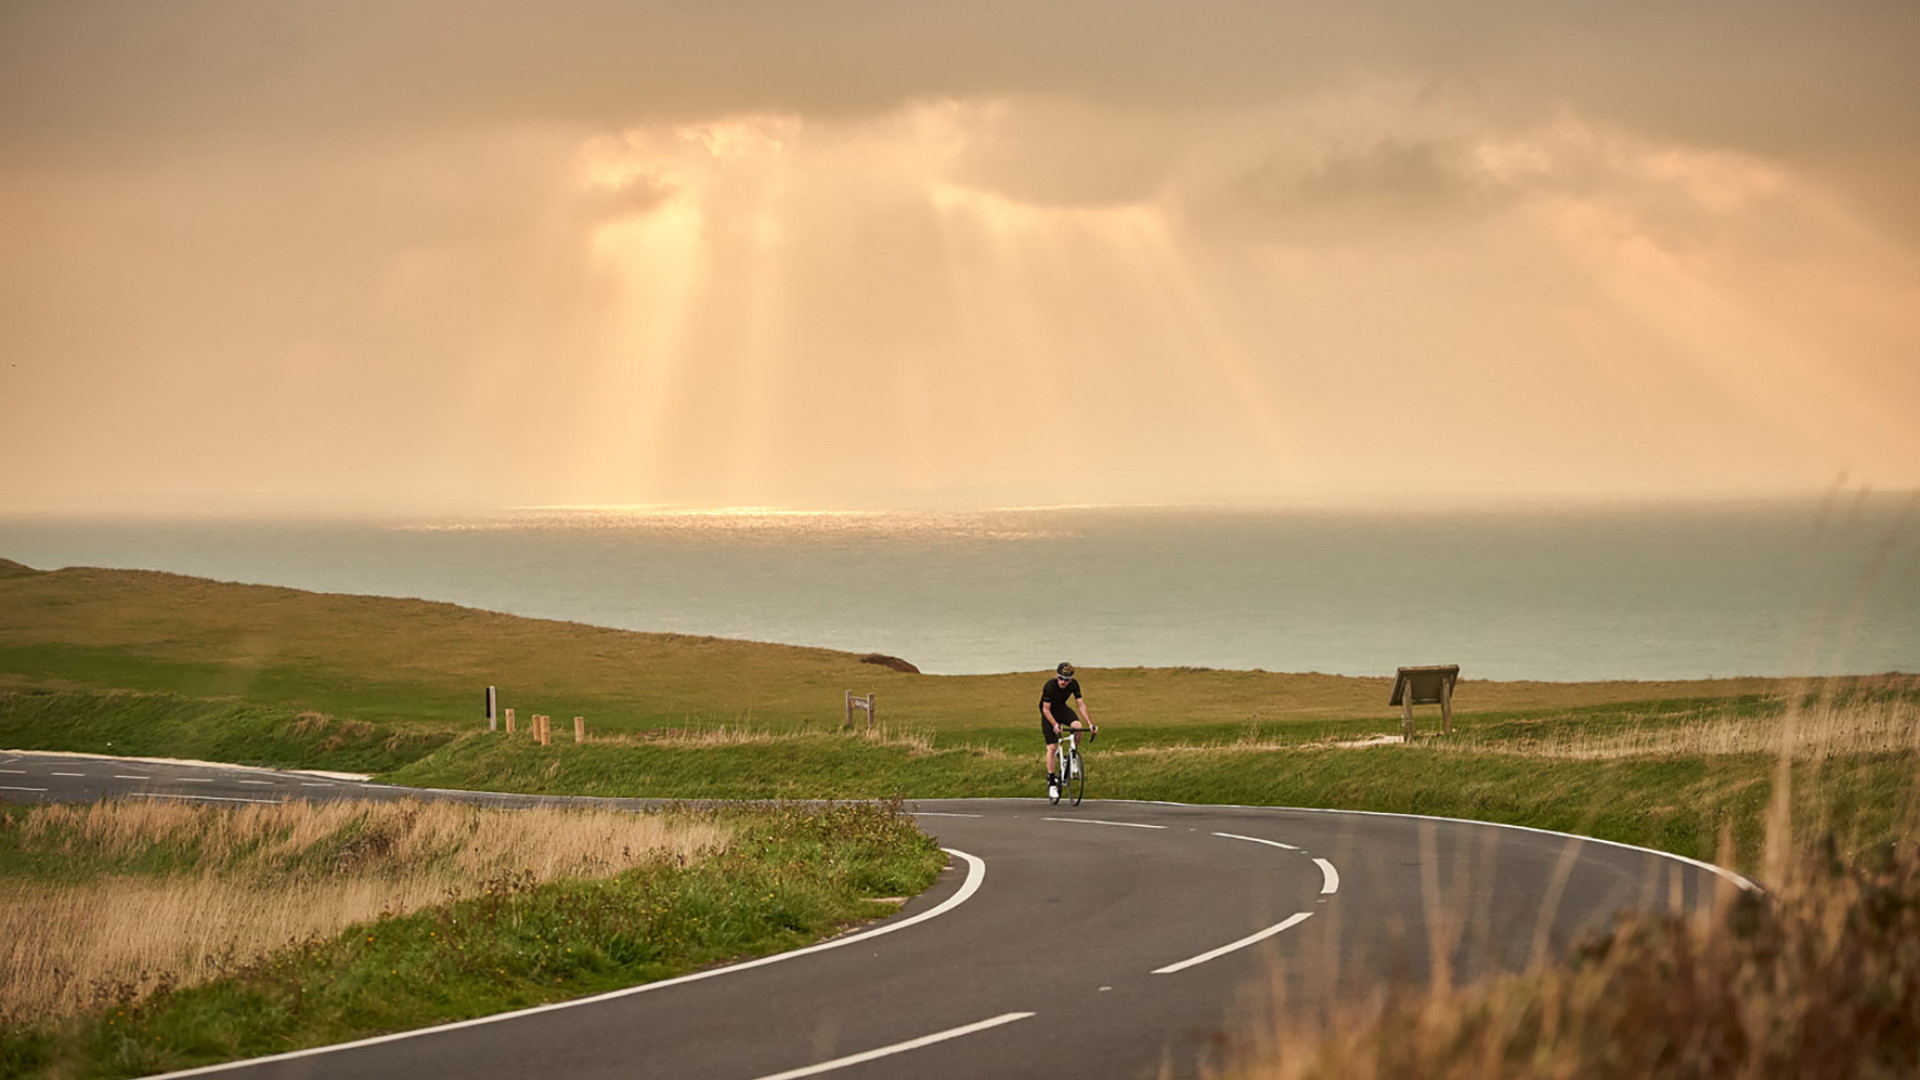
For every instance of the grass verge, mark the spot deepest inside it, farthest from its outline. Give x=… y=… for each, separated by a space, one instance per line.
x=789 y=876
x=133 y=724
x=108 y=894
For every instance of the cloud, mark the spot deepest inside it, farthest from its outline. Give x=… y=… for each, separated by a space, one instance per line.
x=627 y=197
x=1390 y=190
x=1827 y=89
x=591 y=250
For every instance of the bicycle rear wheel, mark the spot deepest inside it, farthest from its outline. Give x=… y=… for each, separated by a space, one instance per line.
x=1076 y=777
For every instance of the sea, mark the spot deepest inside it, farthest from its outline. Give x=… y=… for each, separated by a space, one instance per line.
x=1624 y=591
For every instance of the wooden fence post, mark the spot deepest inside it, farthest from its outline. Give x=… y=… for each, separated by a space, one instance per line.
x=509 y=721
x=579 y=730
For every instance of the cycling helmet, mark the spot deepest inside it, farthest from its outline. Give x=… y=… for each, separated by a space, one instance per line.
x=1065 y=669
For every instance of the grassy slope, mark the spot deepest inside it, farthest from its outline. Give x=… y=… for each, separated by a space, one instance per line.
x=405 y=676
x=424 y=664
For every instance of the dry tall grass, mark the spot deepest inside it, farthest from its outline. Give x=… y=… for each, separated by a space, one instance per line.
x=266 y=875
x=1819 y=976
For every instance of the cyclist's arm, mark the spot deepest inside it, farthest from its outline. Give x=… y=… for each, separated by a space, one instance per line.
x=1081 y=704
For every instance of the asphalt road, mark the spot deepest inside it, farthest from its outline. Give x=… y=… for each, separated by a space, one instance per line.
x=1116 y=939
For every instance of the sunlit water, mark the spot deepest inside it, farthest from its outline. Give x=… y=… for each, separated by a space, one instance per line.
x=1642 y=593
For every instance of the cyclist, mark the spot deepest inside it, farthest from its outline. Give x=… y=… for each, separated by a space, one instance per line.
x=1056 y=715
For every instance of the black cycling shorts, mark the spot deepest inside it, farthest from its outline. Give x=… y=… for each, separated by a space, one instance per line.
x=1047 y=732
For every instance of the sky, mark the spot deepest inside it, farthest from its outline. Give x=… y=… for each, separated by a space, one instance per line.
x=426 y=254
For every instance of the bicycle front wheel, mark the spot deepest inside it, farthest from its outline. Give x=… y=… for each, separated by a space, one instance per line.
x=1077 y=777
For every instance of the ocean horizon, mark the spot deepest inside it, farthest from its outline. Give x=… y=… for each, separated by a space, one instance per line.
x=1570 y=593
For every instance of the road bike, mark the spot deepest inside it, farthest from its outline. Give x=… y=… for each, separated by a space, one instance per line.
x=1073 y=769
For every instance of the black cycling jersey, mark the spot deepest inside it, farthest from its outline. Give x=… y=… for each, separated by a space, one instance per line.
x=1057 y=701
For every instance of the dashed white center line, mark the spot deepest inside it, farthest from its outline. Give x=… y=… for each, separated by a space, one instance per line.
x=1257 y=840
x=258 y=783
x=130 y=776
x=896 y=1048
x=9 y=787
x=1331 y=876
x=195 y=780
x=315 y=783
x=1097 y=821
x=201 y=798
x=1223 y=950
x=14 y=772
x=69 y=774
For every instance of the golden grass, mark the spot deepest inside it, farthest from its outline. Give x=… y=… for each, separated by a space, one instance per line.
x=267 y=875
x=1801 y=735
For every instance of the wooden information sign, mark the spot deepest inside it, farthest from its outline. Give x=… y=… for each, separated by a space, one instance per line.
x=1425 y=686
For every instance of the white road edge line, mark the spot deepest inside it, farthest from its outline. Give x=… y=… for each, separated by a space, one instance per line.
x=936 y=813
x=976 y=873
x=7 y=787
x=1257 y=840
x=1331 y=875
x=885 y=1051
x=1097 y=821
x=1722 y=871
x=1289 y=921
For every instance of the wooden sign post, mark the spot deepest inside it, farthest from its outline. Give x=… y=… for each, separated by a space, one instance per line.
x=579 y=730
x=864 y=703
x=1424 y=686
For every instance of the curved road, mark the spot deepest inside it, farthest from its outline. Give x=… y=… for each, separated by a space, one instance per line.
x=1116 y=939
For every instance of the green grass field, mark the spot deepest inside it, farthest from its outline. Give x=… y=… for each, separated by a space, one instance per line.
x=154 y=664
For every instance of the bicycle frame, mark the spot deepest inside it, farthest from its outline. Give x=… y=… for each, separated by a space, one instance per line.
x=1073 y=776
